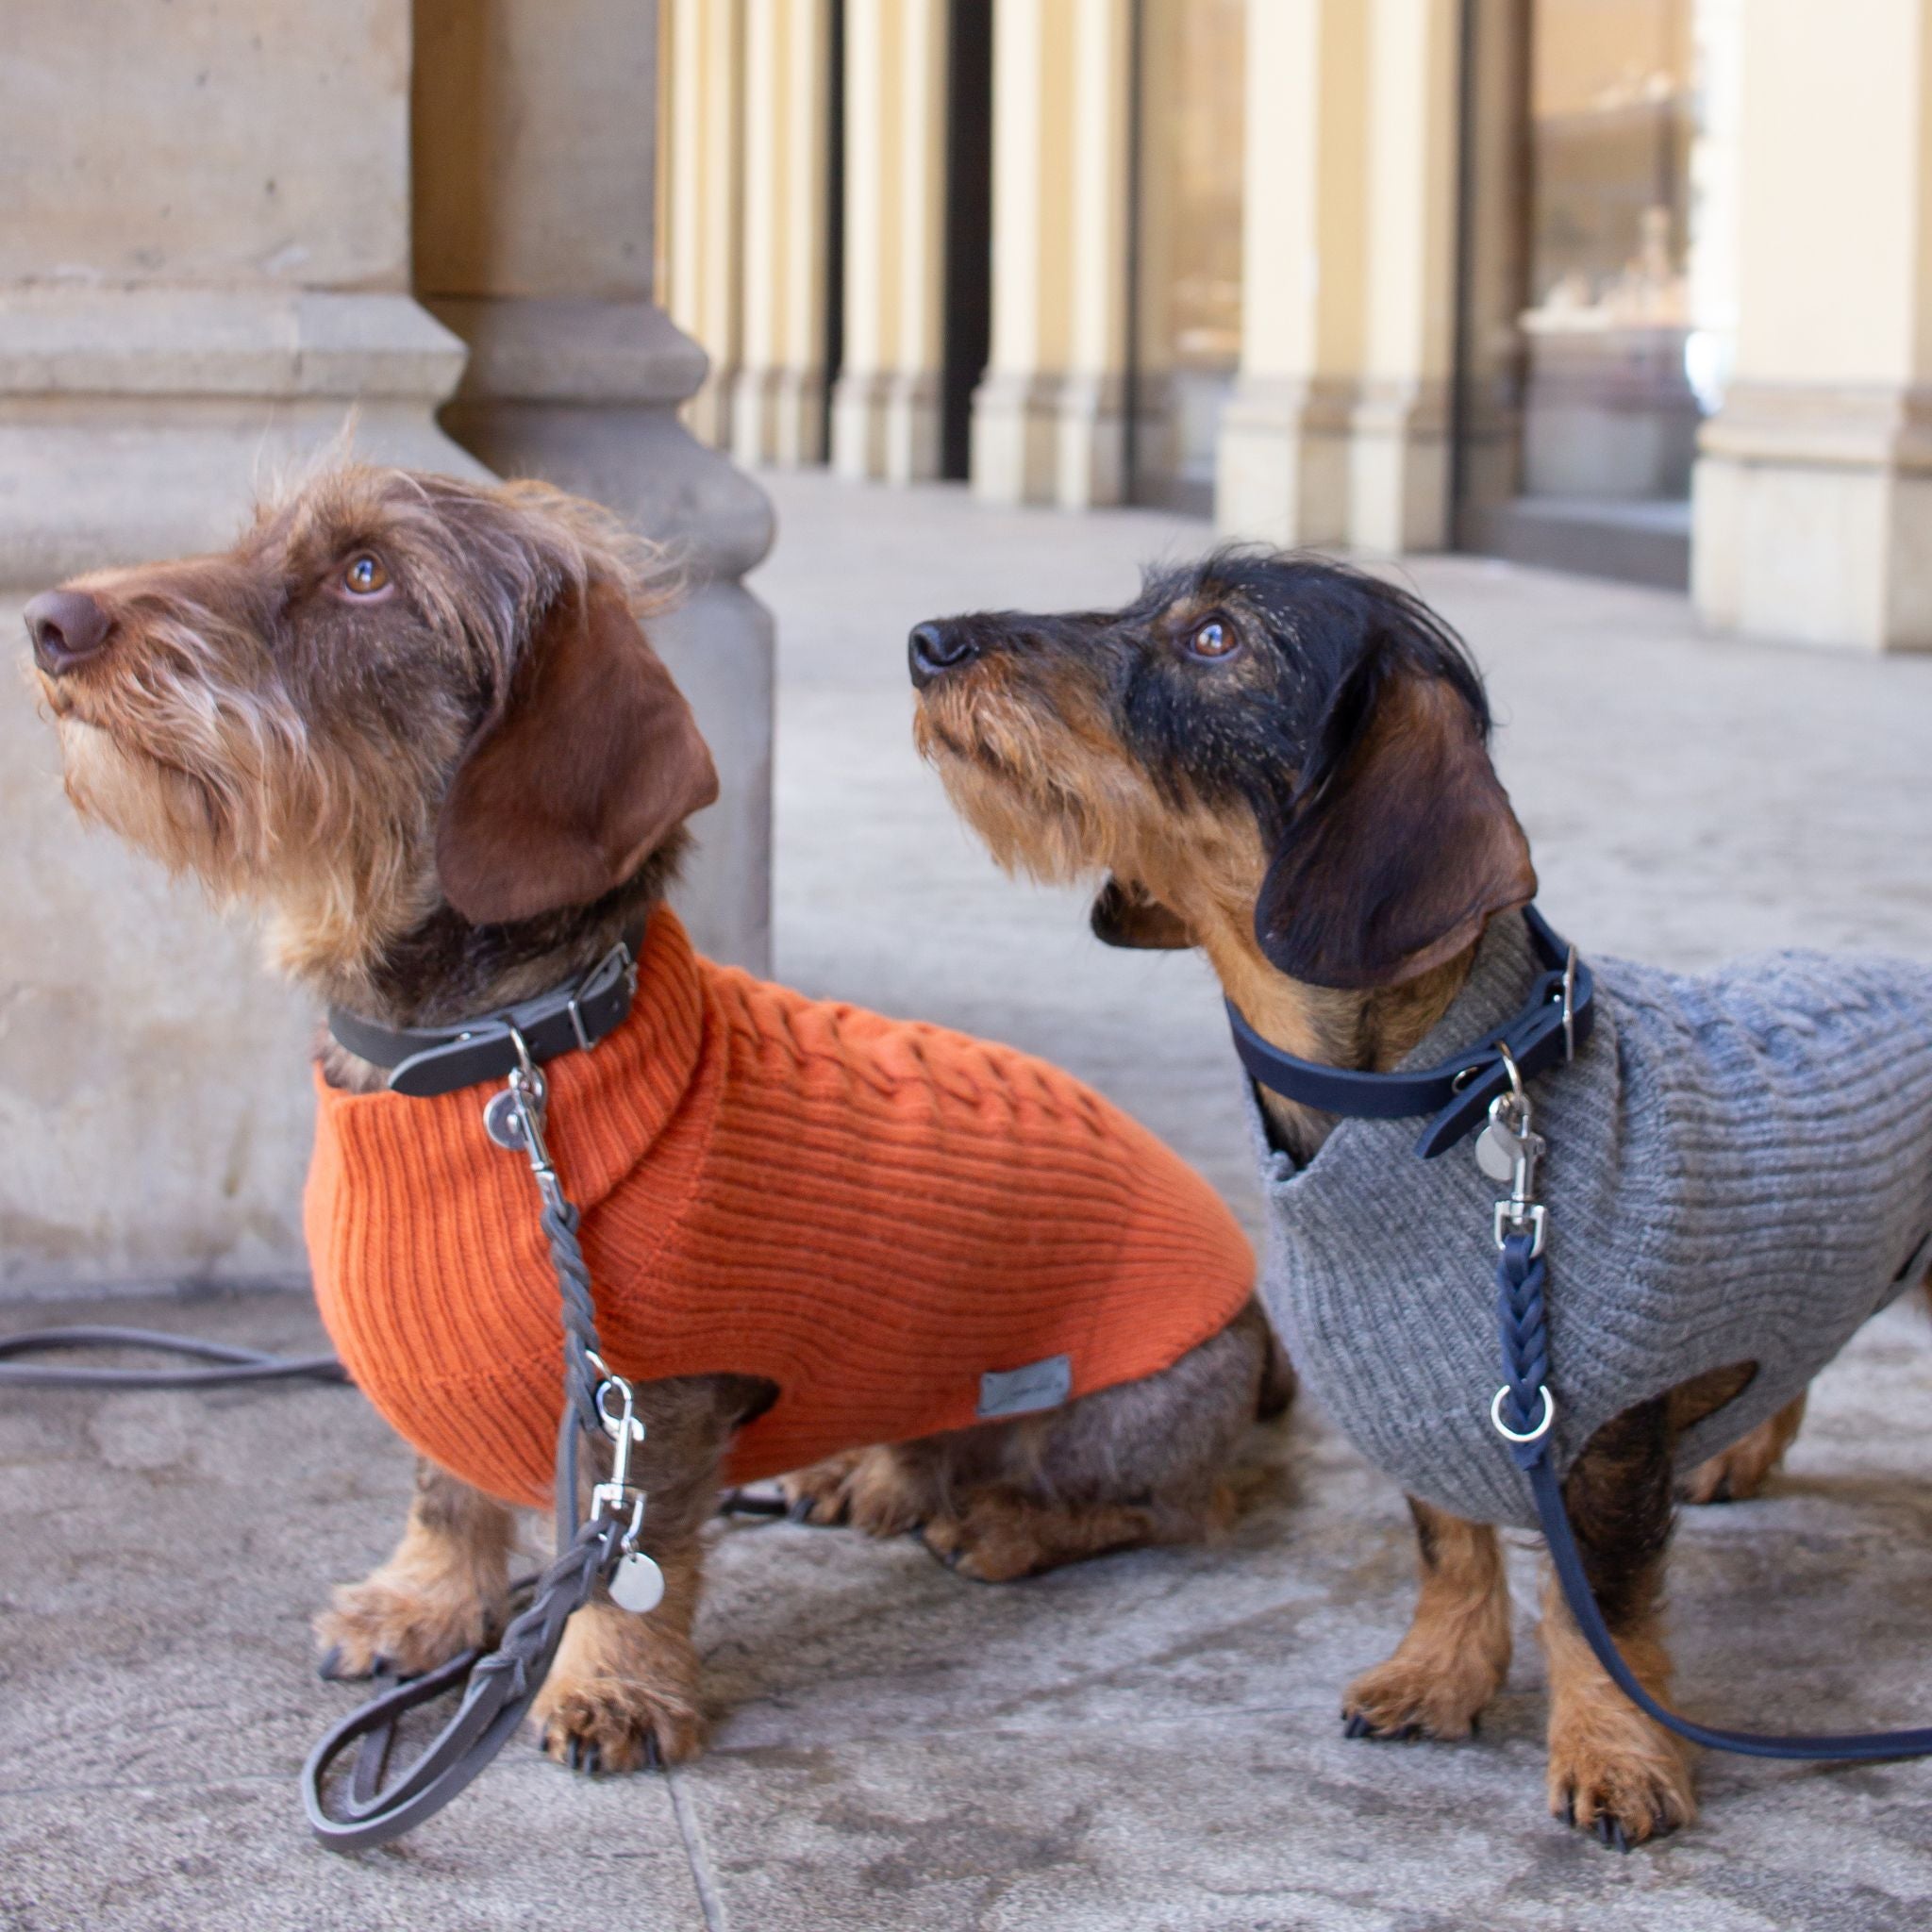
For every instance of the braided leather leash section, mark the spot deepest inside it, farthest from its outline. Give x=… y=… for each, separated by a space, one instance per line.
x=500 y=1684
x=1522 y=1413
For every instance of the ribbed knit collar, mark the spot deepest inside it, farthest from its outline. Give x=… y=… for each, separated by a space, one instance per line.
x=606 y=1107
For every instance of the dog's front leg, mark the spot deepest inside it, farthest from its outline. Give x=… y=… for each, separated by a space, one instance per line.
x=1612 y=1770
x=624 y=1691
x=442 y=1590
x=1453 y=1658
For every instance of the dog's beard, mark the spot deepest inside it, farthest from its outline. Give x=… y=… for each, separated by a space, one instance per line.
x=156 y=805
x=1045 y=805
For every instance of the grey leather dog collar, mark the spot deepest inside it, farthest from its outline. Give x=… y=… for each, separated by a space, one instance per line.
x=428 y=1060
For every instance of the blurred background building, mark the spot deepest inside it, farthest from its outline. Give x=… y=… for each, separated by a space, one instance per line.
x=1641 y=288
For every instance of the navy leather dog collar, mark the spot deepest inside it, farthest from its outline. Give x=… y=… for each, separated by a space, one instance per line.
x=427 y=1061
x=1552 y=1024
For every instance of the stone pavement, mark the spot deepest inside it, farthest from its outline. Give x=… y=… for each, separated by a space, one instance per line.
x=1148 y=1741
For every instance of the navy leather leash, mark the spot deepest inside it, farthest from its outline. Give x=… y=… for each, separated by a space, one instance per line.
x=1550 y=1026
x=1487 y=1083
x=1523 y=1413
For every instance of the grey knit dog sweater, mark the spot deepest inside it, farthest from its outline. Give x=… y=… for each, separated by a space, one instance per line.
x=1740 y=1168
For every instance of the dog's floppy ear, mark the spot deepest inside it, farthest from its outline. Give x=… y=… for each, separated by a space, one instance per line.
x=588 y=763
x=1127 y=916
x=1401 y=844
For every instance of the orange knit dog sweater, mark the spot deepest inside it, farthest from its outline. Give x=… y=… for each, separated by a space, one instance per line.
x=873 y=1213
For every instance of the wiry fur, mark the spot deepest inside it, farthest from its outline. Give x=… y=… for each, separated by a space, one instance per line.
x=303 y=751
x=1320 y=792
x=289 y=749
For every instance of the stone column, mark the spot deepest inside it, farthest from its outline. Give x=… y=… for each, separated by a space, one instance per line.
x=704 y=45
x=1282 y=462
x=886 y=404
x=1399 y=453
x=190 y=295
x=1812 y=500
x=1049 y=417
x=534 y=160
x=778 y=406
x=204 y=269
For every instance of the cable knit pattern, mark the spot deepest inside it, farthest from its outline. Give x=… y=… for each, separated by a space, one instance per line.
x=1740 y=1170
x=869 y=1212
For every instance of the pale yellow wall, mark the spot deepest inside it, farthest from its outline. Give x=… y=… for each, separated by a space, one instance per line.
x=1834 y=225
x=1409 y=204
x=1302 y=228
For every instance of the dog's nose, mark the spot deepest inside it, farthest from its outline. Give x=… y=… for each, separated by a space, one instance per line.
x=936 y=647
x=66 y=626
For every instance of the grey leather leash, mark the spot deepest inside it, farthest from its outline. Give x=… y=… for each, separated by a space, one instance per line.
x=499 y=1686
x=233 y=1364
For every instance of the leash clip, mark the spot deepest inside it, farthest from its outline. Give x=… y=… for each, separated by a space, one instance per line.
x=1510 y=1149
x=610 y=1498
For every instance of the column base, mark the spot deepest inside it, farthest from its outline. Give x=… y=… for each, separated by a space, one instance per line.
x=1281 y=468
x=913 y=426
x=858 y=423
x=1050 y=438
x=138 y=424
x=1398 y=468
x=1811 y=516
x=585 y=394
x=778 y=417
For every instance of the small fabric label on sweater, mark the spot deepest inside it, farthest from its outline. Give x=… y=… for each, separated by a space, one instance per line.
x=1045 y=1384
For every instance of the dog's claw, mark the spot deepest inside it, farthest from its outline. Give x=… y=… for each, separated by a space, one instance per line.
x=1569 y=1810
x=1356 y=1727
x=654 y=1759
x=801 y=1510
x=1620 y=1838
x=574 y=1756
x=330 y=1668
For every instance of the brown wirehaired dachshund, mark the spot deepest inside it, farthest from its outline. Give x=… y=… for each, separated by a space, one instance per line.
x=418 y=722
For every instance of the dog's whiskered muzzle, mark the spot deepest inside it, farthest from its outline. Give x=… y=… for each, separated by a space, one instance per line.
x=933 y=649
x=66 y=628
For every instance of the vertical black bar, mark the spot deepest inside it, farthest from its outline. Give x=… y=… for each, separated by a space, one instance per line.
x=967 y=328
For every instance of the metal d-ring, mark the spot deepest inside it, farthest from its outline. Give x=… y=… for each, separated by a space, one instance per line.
x=1541 y=1430
x=1538 y=1432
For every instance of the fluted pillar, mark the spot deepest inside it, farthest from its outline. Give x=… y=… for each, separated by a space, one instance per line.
x=778 y=406
x=1282 y=467
x=704 y=45
x=1399 y=457
x=1049 y=417
x=886 y=404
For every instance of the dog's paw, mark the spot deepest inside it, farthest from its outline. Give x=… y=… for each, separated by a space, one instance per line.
x=404 y=1622
x=622 y=1696
x=1408 y=1698
x=1619 y=1776
x=865 y=1488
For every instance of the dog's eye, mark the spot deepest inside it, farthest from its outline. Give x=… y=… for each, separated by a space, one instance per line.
x=363 y=577
x=1211 y=640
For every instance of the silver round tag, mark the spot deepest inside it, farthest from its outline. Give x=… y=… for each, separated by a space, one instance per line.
x=636 y=1584
x=1495 y=1152
x=503 y=1120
